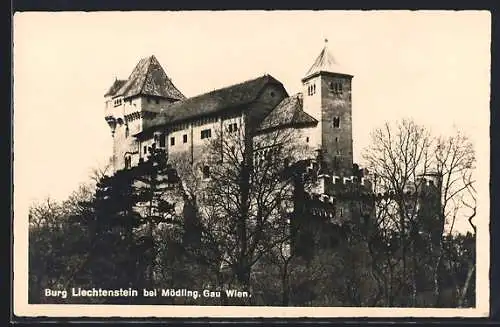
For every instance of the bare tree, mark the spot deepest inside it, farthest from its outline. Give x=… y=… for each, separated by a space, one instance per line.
x=398 y=155
x=421 y=182
x=454 y=165
x=238 y=189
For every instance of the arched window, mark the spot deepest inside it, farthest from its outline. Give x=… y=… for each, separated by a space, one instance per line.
x=339 y=87
x=128 y=162
x=311 y=89
x=335 y=87
x=336 y=122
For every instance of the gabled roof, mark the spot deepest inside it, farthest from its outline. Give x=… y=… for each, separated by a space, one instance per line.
x=288 y=112
x=149 y=78
x=212 y=102
x=117 y=84
x=325 y=62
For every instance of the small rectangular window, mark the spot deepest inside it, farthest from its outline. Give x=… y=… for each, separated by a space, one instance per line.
x=206 y=172
x=145 y=150
x=184 y=138
x=162 y=140
x=206 y=133
x=307 y=139
x=172 y=141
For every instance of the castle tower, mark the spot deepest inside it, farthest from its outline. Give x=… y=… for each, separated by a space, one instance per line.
x=129 y=102
x=327 y=97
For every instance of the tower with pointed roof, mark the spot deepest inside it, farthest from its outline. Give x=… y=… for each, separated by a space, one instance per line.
x=130 y=103
x=147 y=111
x=327 y=98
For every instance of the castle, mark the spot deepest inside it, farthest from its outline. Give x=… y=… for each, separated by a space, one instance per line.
x=147 y=110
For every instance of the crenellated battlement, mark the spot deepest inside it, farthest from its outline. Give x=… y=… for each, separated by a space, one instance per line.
x=337 y=185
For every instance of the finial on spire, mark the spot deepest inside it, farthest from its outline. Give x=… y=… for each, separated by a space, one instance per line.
x=326 y=40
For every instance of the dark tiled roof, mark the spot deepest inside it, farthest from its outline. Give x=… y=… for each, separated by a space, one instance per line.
x=149 y=78
x=288 y=112
x=115 y=87
x=213 y=102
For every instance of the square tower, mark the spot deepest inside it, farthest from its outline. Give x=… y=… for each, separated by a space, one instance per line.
x=327 y=98
x=128 y=103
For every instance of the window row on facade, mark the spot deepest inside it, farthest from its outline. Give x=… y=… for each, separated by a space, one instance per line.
x=117 y=102
x=334 y=87
x=311 y=89
x=204 y=134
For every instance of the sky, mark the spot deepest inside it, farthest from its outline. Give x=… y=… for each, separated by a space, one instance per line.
x=431 y=66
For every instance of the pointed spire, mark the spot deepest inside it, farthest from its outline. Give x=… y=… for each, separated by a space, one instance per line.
x=325 y=62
